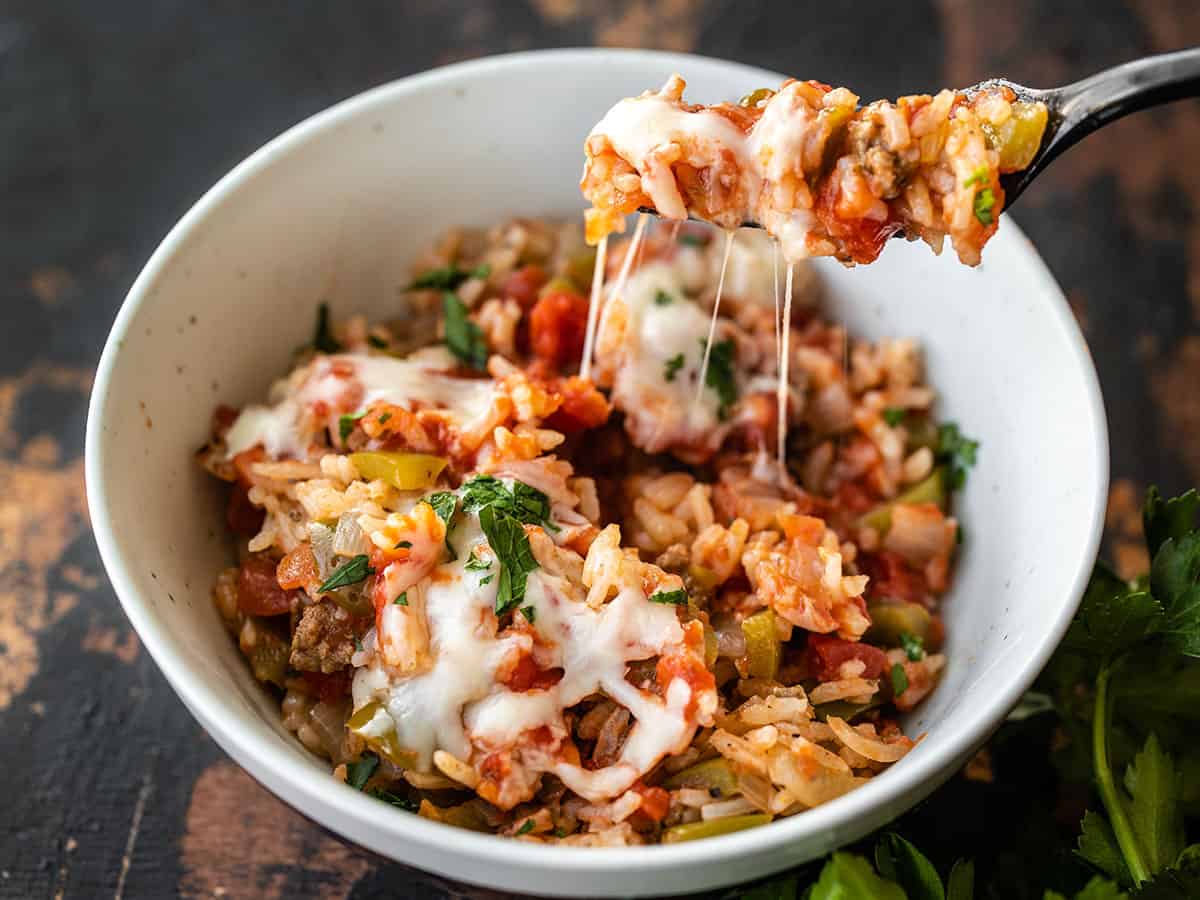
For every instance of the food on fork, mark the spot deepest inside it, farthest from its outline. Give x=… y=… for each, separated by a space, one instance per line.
x=822 y=175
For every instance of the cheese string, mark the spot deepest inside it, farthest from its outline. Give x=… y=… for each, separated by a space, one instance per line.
x=631 y=252
x=712 y=327
x=784 y=365
x=589 y=340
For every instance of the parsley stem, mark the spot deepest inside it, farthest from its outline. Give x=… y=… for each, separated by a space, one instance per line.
x=1114 y=803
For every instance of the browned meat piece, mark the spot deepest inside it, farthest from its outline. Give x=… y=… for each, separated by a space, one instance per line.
x=324 y=639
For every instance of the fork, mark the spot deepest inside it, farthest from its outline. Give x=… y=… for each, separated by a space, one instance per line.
x=1077 y=109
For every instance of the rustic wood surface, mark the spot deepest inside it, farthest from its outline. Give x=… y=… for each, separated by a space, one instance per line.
x=115 y=117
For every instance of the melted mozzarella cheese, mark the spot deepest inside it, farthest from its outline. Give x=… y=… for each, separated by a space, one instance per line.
x=458 y=705
x=641 y=128
x=313 y=398
x=662 y=413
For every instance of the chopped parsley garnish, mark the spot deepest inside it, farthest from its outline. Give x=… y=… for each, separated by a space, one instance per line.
x=720 y=375
x=359 y=773
x=383 y=418
x=347 y=422
x=529 y=613
x=662 y=298
x=377 y=342
x=397 y=800
x=560 y=832
x=526 y=827
x=445 y=504
x=958 y=452
x=674 y=364
x=448 y=278
x=985 y=202
x=524 y=503
x=899 y=680
x=402 y=600
x=914 y=646
x=894 y=415
x=508 y=540
x=672 y=598
x=358 y=644
x=487 y=579
x=356 y=570
x=475 y=564
x=323 y=339
x=463 y=337
x=403 y=545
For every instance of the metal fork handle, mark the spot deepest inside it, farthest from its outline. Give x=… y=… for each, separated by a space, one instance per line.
x=1078 y=109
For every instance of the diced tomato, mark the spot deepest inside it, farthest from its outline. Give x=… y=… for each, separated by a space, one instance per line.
x=526 y=676
x=827 y=653
x=557 y=326
x=223 y=419
x=655 y=801
x=862 y=238
x=329 y=687
x=297 y=569
x=690 y=668
x=891 y=578
x=583 y=407
x=244 y=460
x=523 y=285
x=258 y=593
x=242 y=516
x=853 y=497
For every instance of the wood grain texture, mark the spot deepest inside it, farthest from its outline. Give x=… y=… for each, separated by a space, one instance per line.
x=116 y=116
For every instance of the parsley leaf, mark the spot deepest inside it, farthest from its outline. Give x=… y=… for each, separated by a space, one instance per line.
x=850 y=877
x=958 y=452
x=356 y=570
x=1175 y=583
x=1111 y=618
x=1096 y=889
x=662 y=298
x=359 y=773
x=377 y=342
x=1154 y=788
x=720 y=375
x=961 y=885
x=900 y=861
x=475 y=564
x=894 y=415
x=509 y=542
x=526 y=827
x=523 y=502
x=403 y=545
x=672 y=367
x=671 y=598
x=402 y=600
x=487 y=579
x=448 y=278
x=397 y=800
x=1173 y=518
x=530 y=613
x=346 y=423
x=1098 y=845
x=323 y=339
x=899 y=679
x=914 y=646
x=464 y=338
x=445 y=504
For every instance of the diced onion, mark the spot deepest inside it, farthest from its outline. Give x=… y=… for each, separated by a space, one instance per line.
x=349 y=539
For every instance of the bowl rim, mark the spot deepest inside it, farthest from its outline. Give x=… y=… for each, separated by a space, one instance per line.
x=274 y=765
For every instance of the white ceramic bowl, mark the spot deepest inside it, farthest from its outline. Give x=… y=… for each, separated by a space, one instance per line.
x=335 y=208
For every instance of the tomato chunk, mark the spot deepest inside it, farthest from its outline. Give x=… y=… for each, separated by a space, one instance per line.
x=826 y=655
x=258 y=593
x=523 y=285
x=557 y=325
x=242 y=516
x=526 y=676
x=893 y=579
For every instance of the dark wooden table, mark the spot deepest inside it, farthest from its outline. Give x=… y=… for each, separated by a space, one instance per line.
x=115 y=116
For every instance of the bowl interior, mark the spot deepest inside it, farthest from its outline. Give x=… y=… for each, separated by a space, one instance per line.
x=336 y=209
